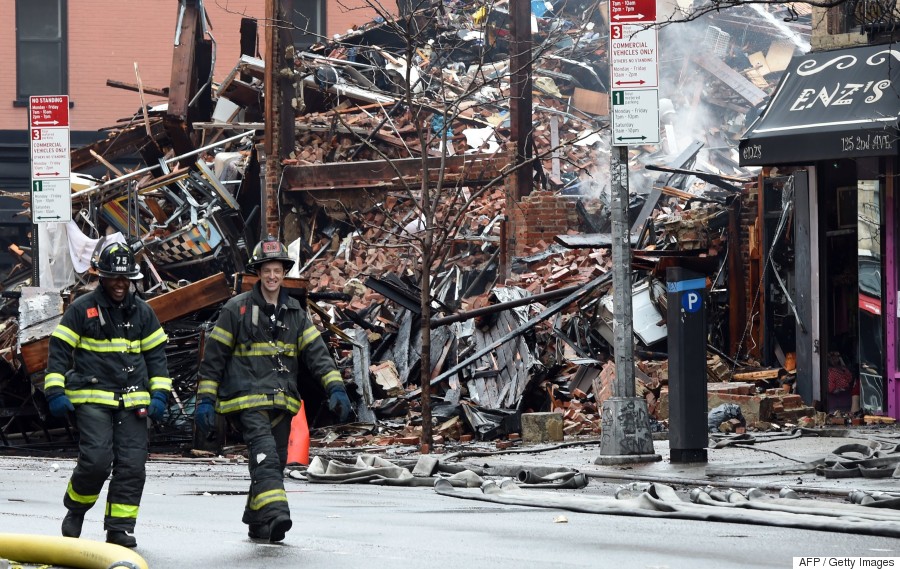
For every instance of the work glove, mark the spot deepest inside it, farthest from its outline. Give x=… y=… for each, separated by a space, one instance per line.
x=205 y=415
x=338 y=402
x=59 y=404
x=158 y=404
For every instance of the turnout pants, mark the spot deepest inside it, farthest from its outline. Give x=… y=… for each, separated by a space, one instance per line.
x=112 y=441
x=266 y=434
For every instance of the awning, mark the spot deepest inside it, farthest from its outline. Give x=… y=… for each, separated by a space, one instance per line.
x=828 y=105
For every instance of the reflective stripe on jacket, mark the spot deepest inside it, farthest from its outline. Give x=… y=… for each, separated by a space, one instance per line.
x=104 y=353
x=254 y=361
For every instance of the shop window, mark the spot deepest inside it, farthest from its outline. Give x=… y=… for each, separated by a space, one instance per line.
x=309 y=23
x=871 y=16
x=41 y=58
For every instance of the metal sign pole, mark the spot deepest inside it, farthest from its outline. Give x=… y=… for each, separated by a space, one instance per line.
x=623 y=331
x=35 y=256
x=624 y=418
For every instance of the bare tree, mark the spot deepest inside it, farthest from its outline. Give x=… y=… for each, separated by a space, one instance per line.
x=433 y=74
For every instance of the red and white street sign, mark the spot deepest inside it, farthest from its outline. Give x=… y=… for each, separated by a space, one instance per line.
x=49 y=153
x=49 y=111
x=632 y=11
x=633 y=56
x=51 y=190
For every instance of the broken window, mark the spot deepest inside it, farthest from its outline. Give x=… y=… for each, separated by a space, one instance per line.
x=41 y=66
x=309 y=23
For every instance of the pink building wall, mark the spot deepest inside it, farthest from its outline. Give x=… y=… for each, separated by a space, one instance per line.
x=107 y=37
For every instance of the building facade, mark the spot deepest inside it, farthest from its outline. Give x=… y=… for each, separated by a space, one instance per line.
x=828 y=143
x=66 y=47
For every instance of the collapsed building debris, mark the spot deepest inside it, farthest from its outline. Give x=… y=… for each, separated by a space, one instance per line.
x=537 y=339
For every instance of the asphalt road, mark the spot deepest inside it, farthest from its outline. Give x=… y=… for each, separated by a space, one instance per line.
x=190 y=517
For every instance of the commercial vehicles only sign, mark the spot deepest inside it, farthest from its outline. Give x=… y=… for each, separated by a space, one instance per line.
x=634 y=72
x=51 y=190
x=634 y=56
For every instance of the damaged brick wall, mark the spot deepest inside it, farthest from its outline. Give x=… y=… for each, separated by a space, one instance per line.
x=539 y=217
x=107 y=48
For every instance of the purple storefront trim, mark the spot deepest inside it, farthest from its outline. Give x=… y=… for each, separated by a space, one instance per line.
x=891 y=320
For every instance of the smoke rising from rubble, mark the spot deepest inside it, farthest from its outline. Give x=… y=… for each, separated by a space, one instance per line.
x=789 y=34
x=682 y=121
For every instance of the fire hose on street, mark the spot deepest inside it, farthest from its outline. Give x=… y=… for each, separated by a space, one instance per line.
x=68 y=552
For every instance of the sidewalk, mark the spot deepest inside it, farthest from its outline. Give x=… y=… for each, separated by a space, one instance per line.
x=813 y=445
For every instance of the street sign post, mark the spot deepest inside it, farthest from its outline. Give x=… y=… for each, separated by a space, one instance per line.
x=51 y=190
x=633 y=63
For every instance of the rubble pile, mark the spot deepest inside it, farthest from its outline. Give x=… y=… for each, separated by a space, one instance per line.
x=372 y=98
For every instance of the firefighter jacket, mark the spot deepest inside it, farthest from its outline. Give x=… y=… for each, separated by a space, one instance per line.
x=108 y=354
x=254 y=360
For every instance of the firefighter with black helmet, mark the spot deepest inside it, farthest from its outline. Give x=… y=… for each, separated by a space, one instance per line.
x=107 y=365
x=262 y=347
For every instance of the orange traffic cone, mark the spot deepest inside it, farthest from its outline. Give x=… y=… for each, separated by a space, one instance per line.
x=298 y=441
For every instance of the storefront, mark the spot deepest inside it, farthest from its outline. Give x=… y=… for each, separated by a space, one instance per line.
x=827 y=228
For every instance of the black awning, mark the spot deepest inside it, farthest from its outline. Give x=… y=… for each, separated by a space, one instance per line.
x=831 y=104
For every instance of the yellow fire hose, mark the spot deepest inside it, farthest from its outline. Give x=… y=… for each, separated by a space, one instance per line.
x=68 y=552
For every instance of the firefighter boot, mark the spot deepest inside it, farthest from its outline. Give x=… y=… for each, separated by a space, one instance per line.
x=71 y=526
x=278 y=527
x=120 y=538
x=259 y=531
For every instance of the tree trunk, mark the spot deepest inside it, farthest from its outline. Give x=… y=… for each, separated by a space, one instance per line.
x=425 y=366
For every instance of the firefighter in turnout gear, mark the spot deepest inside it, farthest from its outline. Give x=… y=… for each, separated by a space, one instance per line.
x=261 y=349
x=107 y=365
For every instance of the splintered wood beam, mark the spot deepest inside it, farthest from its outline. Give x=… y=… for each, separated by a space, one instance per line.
x=191 y=298
x=466 y=170
x=181 y=85
x=760 y=374
x=155 y=91
x=124 y=142
x=34 y=356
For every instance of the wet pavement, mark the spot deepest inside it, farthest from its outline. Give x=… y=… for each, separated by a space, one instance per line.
x=190 y=515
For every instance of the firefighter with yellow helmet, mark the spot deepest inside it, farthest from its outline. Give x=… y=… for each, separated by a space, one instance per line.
x=107 y=365
x=262 y=347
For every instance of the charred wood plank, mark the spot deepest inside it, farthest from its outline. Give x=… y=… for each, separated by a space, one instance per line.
x=741 y=85
x=499 y=307
x=159 y=92
x=183 y=83
x=468 y=170
x=191 y=298
x=361 y=362
x=121 y=143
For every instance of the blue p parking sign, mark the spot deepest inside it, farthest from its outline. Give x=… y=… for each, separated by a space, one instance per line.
x=691 y=301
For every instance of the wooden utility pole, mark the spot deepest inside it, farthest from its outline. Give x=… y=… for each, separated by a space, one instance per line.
x=520 y=93
x=279 y=117
x=519 y=184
